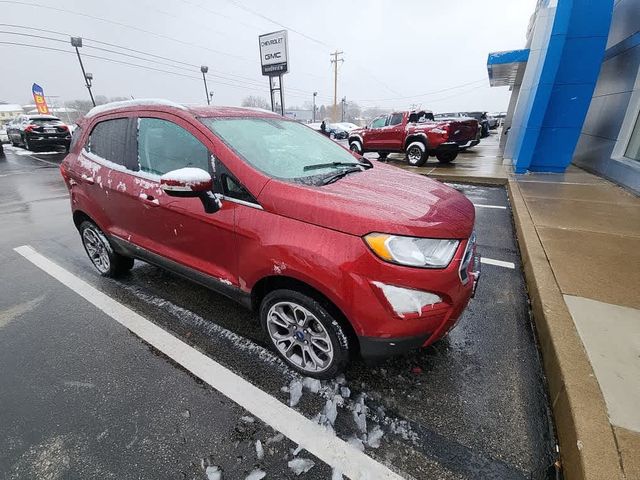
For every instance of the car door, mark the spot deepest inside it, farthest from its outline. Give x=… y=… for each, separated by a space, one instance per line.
x=391 y=135
x=373 y=135
x=178 y=229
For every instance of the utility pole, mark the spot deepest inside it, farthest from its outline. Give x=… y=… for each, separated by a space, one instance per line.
x=335 y=61
x=313 y=113
x=77 y=42
x=204 y=69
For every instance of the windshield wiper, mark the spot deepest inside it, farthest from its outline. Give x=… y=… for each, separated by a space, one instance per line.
x=334 y=164
x=339 y=175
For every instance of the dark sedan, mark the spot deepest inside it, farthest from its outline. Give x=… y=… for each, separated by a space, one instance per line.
x=32 y=131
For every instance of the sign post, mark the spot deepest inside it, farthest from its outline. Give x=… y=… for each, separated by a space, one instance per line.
x=274 y=60
x=38 y=97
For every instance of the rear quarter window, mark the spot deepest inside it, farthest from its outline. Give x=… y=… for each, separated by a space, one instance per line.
x=109 y=140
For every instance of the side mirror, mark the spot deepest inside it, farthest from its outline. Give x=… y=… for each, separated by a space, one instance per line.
x=191 y=182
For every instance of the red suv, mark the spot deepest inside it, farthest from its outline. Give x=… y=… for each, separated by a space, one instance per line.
x=337 y=255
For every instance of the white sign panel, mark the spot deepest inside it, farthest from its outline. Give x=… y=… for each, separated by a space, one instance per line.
x=274 y=53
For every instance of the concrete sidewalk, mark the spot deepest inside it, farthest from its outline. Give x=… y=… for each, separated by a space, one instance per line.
x=579 y=237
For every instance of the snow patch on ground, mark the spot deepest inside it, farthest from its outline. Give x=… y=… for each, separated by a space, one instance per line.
x=295 y=392
x=256 y=474
x=374 y=437
x=247 y=419
x=259 y=450
x=312 y=384
x=301 y=465
x=213 y=472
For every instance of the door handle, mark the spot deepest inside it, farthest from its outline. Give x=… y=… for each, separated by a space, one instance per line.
x=149 y=199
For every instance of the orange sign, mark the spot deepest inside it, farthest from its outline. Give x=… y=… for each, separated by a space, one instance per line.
x=38 y=96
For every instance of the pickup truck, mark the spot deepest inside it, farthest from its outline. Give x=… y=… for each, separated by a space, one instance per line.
x=417 y=134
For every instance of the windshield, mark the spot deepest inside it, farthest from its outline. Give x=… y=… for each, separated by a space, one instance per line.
x=281 y=148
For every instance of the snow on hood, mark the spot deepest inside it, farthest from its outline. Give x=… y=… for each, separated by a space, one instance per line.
x=383 y=199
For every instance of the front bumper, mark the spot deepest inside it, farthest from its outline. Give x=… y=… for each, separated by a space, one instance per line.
x=469 y=144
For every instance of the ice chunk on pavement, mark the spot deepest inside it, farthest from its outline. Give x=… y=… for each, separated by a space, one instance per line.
x=356 y=443
x=247 y=419
x=301 y=465
x=256 y=474
x=374 y=437
x=331 y=409
x=295 y=392
x=297 y=450
x=213 y=472
x=275 y=439
x=312 y=384
x=259 y=450
x=345 y=392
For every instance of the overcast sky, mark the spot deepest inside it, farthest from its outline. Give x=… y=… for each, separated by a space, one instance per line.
x=393 y=49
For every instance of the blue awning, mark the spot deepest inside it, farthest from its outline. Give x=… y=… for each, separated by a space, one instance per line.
x=505 y=67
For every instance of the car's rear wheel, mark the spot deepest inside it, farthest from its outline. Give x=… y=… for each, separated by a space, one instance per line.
x=416 y=154
x=108 y=262
x=304 y=333
x=355 y=146
x=446 y=157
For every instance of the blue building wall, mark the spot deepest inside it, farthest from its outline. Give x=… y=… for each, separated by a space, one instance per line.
x=616 y=87
x=566 y=51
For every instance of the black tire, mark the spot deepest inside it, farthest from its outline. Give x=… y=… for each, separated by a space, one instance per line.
x=446 y=157
x=355 y=146
x=382 y=156
x=108 y=262
x=416 y=156
x=324 y=327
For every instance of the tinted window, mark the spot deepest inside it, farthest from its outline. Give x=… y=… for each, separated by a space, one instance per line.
x=108 y=140
x=396 y=119
x=164 y=146
x=379 y=122
x=233 y=189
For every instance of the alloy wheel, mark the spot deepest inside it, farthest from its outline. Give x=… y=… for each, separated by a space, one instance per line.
x=96 y=249
x=414 y=154
x=300 y=337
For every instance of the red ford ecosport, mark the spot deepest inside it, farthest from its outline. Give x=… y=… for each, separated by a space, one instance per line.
x=337 y=255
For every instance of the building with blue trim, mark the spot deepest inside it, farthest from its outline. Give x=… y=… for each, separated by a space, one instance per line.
x=575 y=90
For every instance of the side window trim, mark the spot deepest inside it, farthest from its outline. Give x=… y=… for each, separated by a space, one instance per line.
x=220 y=172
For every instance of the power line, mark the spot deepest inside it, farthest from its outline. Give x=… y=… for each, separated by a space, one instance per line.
x=424 y=94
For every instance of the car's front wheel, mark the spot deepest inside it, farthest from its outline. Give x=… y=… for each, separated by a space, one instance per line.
x=304 y=333
x=108 y=262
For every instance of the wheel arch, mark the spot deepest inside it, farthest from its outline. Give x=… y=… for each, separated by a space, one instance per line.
x=416 y=137
x=276 y=282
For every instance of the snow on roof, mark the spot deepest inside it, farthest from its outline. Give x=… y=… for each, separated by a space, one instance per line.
x=258 y=109
x=133 y=103
x=10 y=107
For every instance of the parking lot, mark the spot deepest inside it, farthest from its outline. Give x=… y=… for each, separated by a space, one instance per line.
x=83 y=397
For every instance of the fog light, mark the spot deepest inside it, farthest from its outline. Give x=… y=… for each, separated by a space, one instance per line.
x=406 y=300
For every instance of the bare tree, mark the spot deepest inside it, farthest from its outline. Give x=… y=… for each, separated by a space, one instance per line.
x=256 y=102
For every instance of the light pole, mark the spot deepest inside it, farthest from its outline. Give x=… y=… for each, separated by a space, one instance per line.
x=344 y=104
x=315 y=94
x=211 y=95
x=204 y=69
x=77 y=42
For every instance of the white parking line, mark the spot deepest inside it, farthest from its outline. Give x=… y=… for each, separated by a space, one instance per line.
x=309 y=435
x=489 y=206
x=498 y=263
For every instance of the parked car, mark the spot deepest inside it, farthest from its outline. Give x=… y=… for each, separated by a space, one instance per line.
x=348 y=126
x=4 y=138
x=33 y=131
x=418 y=134
x=332 y=130
x=337 y=255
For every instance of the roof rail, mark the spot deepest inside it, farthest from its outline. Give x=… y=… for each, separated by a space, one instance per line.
x=132 y=103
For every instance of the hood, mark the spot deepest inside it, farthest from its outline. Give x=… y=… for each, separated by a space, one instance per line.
x=382 y=199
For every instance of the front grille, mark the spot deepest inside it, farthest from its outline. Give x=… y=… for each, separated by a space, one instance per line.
x=466 y=259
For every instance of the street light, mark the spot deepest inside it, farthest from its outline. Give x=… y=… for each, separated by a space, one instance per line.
x=315 y=94
x=204 y=69
x=211 y=95
x=76 y=42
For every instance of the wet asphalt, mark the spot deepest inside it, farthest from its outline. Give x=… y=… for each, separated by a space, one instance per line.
x=82 y=397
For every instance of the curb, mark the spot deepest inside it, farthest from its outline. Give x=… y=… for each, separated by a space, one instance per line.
x=588 y=448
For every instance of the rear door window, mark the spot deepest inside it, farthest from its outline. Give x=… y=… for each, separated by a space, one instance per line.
x=110 y=140
x=164 y=146
x=396 y=119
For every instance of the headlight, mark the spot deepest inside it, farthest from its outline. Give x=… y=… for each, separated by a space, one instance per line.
x=412 y=251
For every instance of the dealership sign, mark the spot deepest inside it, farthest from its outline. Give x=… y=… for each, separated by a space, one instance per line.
x=274 y=53
x=38 y=97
